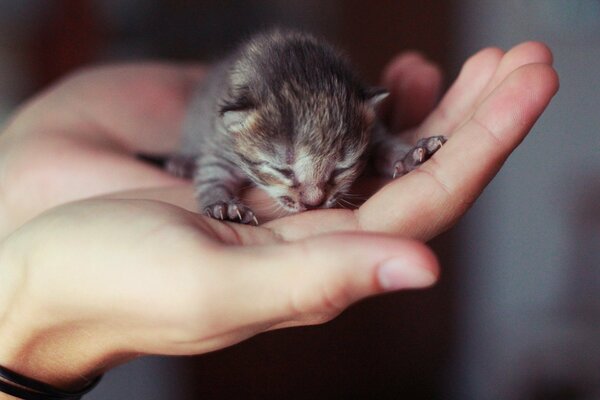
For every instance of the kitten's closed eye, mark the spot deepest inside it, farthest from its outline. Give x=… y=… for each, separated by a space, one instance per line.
x=288 y=173
x=284 y=175
x=339 y=171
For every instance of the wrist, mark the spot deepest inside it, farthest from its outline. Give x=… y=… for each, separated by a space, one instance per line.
x=36 y=340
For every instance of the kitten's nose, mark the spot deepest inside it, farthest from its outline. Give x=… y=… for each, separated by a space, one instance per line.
x=312 y=197
x=316 y=205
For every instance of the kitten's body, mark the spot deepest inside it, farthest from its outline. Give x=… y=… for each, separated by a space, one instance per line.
x=286 y=112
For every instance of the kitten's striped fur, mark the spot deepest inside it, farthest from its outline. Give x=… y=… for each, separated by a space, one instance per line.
x=286 y=112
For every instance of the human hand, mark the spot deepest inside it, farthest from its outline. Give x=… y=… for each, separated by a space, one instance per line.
x=94 y=123
x=92 y=284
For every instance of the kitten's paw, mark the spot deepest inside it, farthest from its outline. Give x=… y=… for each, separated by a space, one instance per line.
x=416 y=156
x=231 y=211
x=181 y=166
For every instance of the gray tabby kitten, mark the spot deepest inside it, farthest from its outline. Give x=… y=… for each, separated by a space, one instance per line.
x=287 y=113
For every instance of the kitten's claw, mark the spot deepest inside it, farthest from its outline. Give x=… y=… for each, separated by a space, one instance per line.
x=423 y=150
x=231 y=211
x=432 y=143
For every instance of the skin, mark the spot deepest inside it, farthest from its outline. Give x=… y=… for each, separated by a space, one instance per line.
x=148 y=276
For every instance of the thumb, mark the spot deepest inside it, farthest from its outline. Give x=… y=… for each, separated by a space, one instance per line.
x=313 y=280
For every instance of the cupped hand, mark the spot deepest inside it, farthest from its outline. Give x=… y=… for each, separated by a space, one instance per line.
x=92 y=284
x=148 y=276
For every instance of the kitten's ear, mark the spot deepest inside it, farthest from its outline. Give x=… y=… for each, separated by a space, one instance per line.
x=375 y=95
x=235 y=120
x=235 y=114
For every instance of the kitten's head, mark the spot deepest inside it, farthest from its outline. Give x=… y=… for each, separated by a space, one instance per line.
x=299 y=120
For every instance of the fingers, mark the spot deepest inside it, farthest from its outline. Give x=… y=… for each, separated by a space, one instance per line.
x=480 y=75
x=414 y=84
x=312 y=281
x=428 y=200
x=462 y=96
x=520 y=55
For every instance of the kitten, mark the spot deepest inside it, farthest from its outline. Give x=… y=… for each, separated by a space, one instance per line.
x=287 y=113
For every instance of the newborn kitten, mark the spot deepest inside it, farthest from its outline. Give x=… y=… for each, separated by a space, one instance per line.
x=287 y=113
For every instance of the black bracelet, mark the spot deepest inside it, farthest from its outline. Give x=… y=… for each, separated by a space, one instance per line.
x=26 y=388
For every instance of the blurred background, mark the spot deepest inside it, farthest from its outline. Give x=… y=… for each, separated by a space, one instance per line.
x=517 y=312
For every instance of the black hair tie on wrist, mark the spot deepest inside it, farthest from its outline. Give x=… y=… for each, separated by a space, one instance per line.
x=26 y=388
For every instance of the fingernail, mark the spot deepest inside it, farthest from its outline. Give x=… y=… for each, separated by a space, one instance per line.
x=396 y=274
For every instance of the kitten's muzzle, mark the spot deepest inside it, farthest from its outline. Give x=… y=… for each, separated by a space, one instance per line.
x=312 y=197
x=313 y=206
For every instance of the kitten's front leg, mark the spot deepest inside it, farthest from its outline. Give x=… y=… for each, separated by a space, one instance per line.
x=181 y=166
x=393 y=156
x=217 y=184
